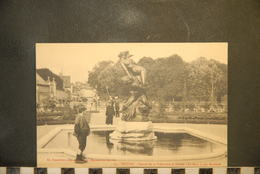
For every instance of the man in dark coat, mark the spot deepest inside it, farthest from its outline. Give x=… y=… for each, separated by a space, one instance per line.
x=81 y=131
x=116 y=106
x=110 y=112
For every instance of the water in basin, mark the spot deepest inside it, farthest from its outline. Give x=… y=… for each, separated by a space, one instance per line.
x=167 y=144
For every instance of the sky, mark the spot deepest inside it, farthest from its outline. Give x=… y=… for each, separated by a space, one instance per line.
x=76 y=59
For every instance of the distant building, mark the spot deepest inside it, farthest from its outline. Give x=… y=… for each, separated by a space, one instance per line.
x=66 y=81
x=82 y=91
x=88 y=93
x=44 y=89
x=49 y=86
x=45 y=73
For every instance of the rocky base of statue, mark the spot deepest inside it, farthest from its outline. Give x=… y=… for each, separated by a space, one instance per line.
x=133 y=131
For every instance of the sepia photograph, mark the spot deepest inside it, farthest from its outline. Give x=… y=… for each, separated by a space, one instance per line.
x=132 y=104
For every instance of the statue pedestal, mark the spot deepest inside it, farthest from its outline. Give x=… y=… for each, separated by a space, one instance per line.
x=133 y=131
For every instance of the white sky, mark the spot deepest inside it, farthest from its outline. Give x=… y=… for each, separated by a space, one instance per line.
x=76 y=59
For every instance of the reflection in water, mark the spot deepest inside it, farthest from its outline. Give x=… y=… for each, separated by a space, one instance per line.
x=182 y=142
x=167 y=144
x=135 y=147
x=108 y=143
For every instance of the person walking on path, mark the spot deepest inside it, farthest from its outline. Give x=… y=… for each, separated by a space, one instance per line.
x=81 y=131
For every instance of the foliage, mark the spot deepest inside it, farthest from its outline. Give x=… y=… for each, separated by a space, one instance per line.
x=49 y=103
x=168 y=79
x=165 y=77
x=206 y=79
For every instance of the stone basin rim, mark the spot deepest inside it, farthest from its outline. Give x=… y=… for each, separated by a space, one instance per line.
x=217 y=154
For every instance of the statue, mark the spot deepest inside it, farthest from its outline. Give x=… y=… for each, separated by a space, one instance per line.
x=137 y=104
x=135 y=124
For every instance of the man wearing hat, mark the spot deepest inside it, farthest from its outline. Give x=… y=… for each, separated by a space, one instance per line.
x=81 y=131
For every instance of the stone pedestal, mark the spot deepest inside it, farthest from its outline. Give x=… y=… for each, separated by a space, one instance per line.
x=133 y=131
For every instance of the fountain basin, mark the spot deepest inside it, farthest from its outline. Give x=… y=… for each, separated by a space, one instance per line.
x=173 y=144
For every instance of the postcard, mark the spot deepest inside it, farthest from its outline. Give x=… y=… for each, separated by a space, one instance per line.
x=131 y=104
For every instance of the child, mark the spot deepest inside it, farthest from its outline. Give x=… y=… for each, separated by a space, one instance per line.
x=81 y=131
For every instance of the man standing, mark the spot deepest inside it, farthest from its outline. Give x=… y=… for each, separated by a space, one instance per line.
x=81 y=131
x=110 y=112
x=116 y=106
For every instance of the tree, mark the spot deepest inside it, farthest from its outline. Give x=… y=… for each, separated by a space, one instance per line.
x=93 y=79
x=167 y=78
x=206 y=80
x=106 y=79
